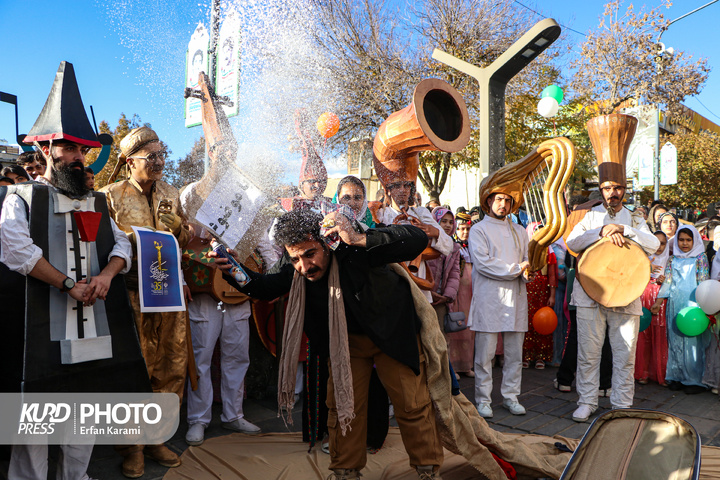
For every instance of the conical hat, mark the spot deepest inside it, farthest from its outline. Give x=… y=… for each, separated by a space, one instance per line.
x=610 y=136
x=63 y=117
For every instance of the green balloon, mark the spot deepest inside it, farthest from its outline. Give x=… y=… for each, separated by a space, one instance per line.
x=692 y=321
x=645 y=319
x=553 y=91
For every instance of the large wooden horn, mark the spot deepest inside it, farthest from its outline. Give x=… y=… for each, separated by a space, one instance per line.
x=436 y=119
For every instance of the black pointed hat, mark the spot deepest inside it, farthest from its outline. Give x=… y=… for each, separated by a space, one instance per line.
x=63 y=116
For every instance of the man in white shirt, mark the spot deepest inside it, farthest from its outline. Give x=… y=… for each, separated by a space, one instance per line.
x=499 y=251
x=612 y=220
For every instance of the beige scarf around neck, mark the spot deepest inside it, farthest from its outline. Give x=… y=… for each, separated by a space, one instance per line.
x=339 y=349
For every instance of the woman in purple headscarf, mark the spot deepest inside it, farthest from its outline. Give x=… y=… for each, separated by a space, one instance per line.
x=446 y=273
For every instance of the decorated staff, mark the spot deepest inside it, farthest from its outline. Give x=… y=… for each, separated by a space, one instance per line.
x=144 y=200
x=68 y=324
x=605 y=300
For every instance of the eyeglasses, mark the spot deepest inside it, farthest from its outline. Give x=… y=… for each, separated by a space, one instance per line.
x=400 y=184
x=154 y=157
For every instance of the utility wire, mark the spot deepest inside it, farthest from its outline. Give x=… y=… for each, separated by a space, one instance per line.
x=540 y=15
x=706 y=108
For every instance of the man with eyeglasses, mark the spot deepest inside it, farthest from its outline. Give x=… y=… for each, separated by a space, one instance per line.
x=401 y=208
x=134 y=202
x=612 y=220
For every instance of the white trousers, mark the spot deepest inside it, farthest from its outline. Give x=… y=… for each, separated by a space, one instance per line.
x=30 y=462
x=592 y=323
x=207 y=325
x=485 y=345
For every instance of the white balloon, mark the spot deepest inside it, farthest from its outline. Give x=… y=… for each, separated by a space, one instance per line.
x=707 y=296
x=548 y=107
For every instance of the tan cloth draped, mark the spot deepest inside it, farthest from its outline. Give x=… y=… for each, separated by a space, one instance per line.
x=339 y=350
x=462 y=430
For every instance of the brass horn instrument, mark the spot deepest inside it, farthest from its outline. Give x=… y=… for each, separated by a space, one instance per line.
x=436 y=119
x=538 y=181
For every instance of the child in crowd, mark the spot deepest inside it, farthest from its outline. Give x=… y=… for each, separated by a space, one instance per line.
x=686 y=268
x=652 y=346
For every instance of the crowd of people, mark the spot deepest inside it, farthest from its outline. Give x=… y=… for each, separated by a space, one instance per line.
x=370 y=283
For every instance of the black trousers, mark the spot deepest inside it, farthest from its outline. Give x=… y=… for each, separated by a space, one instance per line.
x=568 y=366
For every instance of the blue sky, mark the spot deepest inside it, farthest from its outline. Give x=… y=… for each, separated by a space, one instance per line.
x=129 y=56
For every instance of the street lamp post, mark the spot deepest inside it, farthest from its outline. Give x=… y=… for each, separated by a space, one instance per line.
x=659 y=59
x=493 y=81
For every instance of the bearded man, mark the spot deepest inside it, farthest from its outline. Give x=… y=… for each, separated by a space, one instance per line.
x=608 y=220
x=358 y=312
x=135 y=202
x=45 y=260
x=499 y=252
x=400 y=208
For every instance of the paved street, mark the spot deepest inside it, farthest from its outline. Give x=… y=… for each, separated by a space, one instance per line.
x=549 y=413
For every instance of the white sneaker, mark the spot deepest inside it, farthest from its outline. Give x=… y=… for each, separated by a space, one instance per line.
x=195 y=434
x=485 y=410
x=243 y=426
x=583 y=412
x=470 y=374
x=514 y=407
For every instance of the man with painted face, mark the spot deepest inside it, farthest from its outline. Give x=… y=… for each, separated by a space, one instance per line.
x=611 y=220
x=359 y=313
x=401 y=208
x=45 y=260
x=499 y=252
x=134 y=202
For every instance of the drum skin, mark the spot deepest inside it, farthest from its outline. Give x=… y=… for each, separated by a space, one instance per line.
x=614 y=276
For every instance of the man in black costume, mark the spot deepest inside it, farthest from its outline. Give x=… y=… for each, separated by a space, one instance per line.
x=70 y=326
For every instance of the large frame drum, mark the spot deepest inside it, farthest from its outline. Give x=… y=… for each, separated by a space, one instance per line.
x=614 y=276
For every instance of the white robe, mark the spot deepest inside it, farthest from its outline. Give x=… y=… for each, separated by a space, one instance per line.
x=499 y=301
x=443 y=243
x=587 y=232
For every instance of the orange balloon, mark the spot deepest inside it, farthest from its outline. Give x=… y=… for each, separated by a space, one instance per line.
x=544 y=321
x=328 y=124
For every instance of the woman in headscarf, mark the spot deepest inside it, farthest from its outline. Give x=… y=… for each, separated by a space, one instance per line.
x=686 y=268
x=668 y=224
x=446 y=274
x=651 y=354
x=653 y=219
x=351 y=192
x=462 y=344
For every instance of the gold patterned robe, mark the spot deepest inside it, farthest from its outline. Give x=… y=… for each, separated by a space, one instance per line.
x=162 y=335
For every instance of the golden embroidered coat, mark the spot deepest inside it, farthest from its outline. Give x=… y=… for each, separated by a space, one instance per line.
x=162 y=335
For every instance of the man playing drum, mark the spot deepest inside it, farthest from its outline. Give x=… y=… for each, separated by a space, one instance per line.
x=610 y=136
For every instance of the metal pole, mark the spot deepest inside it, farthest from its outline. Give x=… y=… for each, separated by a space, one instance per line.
x=656 y=168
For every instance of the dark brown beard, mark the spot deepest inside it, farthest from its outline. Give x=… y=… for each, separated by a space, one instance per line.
x=69 y=181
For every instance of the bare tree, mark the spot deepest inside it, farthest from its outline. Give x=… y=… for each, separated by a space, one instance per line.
x=619 y=61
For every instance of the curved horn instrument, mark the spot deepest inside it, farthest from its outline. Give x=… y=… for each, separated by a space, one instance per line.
x=538 y=181
x=436 y=119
